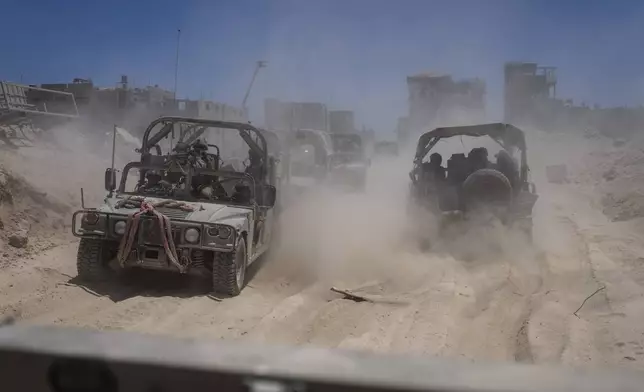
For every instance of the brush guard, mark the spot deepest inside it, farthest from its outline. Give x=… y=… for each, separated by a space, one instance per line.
x=134 y=222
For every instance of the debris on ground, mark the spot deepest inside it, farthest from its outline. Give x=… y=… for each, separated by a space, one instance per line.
x=30 y=219
x=616 y=176
x=359 y=297
x=19 y=240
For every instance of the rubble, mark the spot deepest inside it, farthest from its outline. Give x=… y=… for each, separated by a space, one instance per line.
x=617 y=178
x=19 y=239
x=29 y=218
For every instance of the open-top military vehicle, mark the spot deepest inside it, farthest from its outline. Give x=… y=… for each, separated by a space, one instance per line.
x=386 y=149
x=318 y=157
x=309 y=154
x=349 y=163
x=188 y=211
x=472 y=182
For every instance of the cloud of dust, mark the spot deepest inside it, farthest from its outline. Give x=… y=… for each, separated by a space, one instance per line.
x=341 y=238
x=329 y=235
x=69 y=157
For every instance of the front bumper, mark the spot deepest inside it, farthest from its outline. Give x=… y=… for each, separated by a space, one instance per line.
x=148 y=251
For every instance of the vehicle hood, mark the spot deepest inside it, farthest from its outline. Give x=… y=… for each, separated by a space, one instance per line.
x=203 y=212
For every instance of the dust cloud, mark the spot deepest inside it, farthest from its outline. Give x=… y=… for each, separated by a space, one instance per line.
x=332 y=236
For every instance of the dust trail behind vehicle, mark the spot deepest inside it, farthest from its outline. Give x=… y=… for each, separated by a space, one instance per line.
x=509 y=302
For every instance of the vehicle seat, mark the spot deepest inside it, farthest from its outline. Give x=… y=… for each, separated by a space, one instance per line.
x=477 y=159
x=242 y=194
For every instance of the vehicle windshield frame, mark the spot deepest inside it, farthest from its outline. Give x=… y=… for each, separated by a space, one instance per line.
x=120 y=191
x=246 y=131
x=506 y=135
x=335 y=137
x=252 y=136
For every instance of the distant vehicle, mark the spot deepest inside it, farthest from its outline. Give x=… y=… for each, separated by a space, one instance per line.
x=386 y=149
x=472 y=182
x=308 y=157
x=349 y=163
x=320 y=158
x=185 y=213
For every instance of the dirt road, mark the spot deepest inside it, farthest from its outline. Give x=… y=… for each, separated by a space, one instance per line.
x=517 y=303
x=515 y=307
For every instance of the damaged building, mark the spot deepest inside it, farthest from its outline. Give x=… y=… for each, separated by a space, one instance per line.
x=438 y=100
x=134 y=108
x=289 y=116
x=530 y=100
x=285 y=116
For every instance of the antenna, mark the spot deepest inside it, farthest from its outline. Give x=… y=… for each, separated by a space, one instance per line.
x=113 y=154
x=176 y=64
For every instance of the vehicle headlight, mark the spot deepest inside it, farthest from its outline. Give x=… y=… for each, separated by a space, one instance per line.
x=91 y=218
x=191 y=235
x=119 y=227
x=222 y=232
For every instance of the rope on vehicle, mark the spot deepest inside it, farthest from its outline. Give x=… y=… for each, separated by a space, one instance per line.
x=165 y=227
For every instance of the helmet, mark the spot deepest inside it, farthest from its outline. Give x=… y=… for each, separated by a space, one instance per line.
x=436 y=158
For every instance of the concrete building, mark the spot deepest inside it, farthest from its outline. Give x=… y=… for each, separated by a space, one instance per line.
x=530 y=101
x=295 y=115
x=438 y=100
x=529 y=92
x=134 y=108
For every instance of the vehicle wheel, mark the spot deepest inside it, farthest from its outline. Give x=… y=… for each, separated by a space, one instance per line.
x=91 y=260
x=229 y=270
x=487 y=185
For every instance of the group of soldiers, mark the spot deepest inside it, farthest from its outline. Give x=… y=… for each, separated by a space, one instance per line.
x=195 y=156
x=433 y=170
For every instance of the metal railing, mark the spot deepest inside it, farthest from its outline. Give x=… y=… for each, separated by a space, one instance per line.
x=34 y=100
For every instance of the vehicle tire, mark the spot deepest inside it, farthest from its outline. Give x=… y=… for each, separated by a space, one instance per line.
x=485 y=186
x=229 y=270
x=91 y=260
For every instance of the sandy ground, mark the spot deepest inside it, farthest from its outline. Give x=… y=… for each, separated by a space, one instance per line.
x=521 y=305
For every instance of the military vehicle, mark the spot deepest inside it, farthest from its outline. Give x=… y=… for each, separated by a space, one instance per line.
x=188 y=211
x=471 y=183
x=349 y=164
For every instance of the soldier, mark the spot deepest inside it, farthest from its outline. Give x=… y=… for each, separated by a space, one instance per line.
x=434 y=169
x=255 y=170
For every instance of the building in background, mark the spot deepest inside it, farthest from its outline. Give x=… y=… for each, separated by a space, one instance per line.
x=530 y=100
x=286 y=116
x=133 y=108
x=529 y=92
x=437 y=100
x=290 y=116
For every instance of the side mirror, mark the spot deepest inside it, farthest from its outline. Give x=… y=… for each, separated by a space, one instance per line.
x=270 y=196
x=110 y=179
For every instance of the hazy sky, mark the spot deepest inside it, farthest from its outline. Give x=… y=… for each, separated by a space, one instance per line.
x=350 y=54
